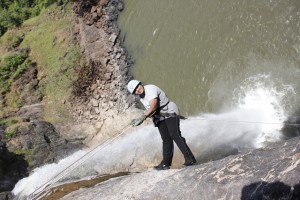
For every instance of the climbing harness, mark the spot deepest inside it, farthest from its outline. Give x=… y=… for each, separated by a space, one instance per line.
x=40 y=192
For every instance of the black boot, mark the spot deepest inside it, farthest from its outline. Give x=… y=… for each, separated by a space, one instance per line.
x=162 y=167
x=190 y=162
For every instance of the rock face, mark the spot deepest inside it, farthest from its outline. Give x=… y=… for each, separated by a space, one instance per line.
x=100 y=98
x=28 y=144
x=33 y=144
x=12 y=168
x=268 y=173
x=27 y=86
x=101 y=92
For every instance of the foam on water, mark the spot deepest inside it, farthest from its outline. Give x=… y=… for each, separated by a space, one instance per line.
x=117 y=156
x=43 y=174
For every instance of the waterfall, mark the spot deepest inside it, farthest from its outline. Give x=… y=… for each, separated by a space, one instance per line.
x=255 y=121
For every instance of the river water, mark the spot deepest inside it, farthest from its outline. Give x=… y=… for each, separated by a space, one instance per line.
x=209 y=54
x=231 y=66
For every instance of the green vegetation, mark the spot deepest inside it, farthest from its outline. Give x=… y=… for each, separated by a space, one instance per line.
x=10 y=41
x=13 y=100
x=13 y=65
x=56 y=56
x=37 y=63
x=10 y=134
x=14 y=40
x=28 y=153
x=9 y=122
x=14 y=12
x=48 y=36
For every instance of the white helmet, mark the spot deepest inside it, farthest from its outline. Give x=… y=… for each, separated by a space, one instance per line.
x=132 y=85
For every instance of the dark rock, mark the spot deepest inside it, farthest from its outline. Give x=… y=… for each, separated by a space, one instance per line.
x=12 y=168
x=6 y=195
x=265 y=190
x=33 y=145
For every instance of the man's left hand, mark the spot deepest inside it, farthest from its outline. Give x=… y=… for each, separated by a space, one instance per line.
x=138 y=121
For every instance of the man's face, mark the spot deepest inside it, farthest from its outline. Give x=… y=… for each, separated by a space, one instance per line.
x=139 y=90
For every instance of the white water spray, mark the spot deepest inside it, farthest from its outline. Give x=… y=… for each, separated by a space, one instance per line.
x=255 y=121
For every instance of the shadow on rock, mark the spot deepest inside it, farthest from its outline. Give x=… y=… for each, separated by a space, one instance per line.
x=266 y=191
x=12 y=168
x=216 y=153
x=292 y=126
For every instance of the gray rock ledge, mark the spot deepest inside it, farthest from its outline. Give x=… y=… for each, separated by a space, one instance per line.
x=272 y=172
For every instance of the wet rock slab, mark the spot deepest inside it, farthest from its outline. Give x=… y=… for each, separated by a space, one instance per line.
x=268 y=173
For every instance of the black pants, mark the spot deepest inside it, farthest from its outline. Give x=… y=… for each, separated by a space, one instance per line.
x=170 y=131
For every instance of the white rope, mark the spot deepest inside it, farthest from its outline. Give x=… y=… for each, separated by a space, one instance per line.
x=249 y=122
x=38 y=193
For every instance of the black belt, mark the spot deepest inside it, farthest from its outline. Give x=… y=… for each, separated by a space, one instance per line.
x=168 y=114
x=157 y=118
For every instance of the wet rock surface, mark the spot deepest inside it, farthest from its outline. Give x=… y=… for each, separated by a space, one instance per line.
x=268 y=173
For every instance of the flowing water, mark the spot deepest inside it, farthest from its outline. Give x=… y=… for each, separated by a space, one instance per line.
x=231 y=66
x=208 y=54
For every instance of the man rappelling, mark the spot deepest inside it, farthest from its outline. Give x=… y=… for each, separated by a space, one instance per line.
x=165 y=116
